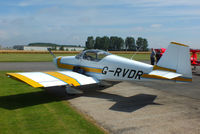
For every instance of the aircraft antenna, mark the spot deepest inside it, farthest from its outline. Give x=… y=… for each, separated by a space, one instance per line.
x=49 y=49
x=136 y=52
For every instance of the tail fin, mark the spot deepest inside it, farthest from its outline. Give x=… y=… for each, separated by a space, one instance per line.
x=177 y=59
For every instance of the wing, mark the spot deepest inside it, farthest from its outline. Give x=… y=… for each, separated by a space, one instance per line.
x=164 y=74
x=50 y=79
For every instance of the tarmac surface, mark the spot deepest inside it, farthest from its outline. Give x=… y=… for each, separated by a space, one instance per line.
x=158 y=107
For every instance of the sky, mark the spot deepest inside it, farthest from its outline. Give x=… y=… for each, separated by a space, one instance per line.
x=72 y=21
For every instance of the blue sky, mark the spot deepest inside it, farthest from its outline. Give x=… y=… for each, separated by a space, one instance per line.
x=72 y=21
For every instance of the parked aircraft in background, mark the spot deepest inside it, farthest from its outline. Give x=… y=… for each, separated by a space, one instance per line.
x=194 y=60
x=97 y=66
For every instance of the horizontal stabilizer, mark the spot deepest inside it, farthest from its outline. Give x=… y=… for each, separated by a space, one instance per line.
x=165 y=74
x=51 y=79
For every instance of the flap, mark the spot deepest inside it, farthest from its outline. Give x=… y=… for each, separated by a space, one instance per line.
x=165 y=74
x=50 y=79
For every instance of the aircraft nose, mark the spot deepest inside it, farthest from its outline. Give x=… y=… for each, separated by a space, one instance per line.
x=57 y=60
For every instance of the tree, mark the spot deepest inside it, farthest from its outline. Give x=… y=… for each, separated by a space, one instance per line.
x=119 y=43
x=105 y=41
x=61 y=48
x=18 y=47
x=145 y=46
x=89 y=43
x=97 y=44
x=116 y=43
x=130 y=43
x=42 y=44
x=112 y=43
x=53 y=48
x=142 y=44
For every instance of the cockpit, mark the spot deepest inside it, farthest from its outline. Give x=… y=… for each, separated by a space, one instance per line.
x=92 y=55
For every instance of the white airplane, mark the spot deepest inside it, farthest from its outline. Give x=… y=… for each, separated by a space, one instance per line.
x=97 y=66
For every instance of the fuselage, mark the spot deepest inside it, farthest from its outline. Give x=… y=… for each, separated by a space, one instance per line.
x=111 y=67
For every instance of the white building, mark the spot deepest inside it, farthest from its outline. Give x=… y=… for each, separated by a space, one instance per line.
x=41 y=48
x=35 y=48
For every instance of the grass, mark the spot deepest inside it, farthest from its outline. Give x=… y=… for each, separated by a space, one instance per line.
x=28 y=57
x=26 y=110
x=47 y=57
x=139 y=57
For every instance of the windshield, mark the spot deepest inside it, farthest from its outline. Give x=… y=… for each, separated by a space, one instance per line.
x=93 y=55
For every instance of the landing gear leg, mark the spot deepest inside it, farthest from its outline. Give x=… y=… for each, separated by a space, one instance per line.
x=72 y=91
x=104 y=84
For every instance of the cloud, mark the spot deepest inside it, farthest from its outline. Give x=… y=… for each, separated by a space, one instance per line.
x=100 y=3
x=24 y=4
x=156 y=25
x=162 y=3
x=3 y=35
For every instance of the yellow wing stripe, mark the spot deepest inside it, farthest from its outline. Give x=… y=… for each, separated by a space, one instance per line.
x=155 y=67
x=163 y=78
x=70 y=67
x=179 y=44
x=65 y=78
x=25 y=79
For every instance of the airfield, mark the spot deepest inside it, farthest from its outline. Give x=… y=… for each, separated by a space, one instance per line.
x=133 y=107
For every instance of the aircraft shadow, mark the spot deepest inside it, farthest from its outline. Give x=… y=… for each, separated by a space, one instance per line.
x=123 y=104
x=27 y=99
x=133 y=103
x=196 y=73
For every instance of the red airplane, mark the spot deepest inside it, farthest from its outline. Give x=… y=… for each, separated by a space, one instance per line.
x=194 y=61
